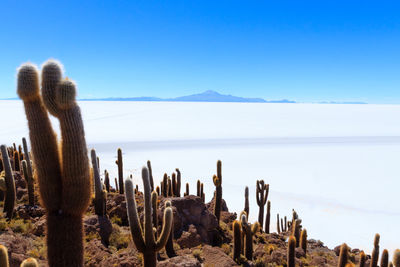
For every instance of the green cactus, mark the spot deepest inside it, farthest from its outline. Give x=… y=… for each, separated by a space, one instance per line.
x=178 y=183
x=120 y=171
x=262 y=196
x=16 y=161
x=291 y=252
x=107 y=180
x=384 y=258
x=29 y=182
x=343 y=256
x=99 y=206
x=169 y=246
x=4 y=256
x=9 y=201
x=303 y=240
x=246 y=200
x=64 y=178
x=249 y=231
x=30 y=262
x=375 y=252
x=144 y=240
x=278 y=228
x=150 y=175
x=363 y=259
x=268 y=217
x=236 y=240
x=396 y=258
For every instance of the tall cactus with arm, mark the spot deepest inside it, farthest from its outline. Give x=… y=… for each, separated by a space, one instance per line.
x=144 y=240
x=262 y=196
x=64 y=179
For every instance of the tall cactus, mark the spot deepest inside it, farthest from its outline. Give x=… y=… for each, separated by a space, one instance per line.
x=64 y=178
x=246 y=200
x=375 y=252
x=262 y=196
x=217 y=179
x=178 y=183
x=278 y=228
x=236 y=240
x=291 y=252
x=107 y=180
x=99 y=201
x=303 y=240
x=120 y=171
x=249 y=231
x=268 y=217
x=343 y=255
x=144 y=240
x=384 y=258
x=150 y=175
x=9 y=201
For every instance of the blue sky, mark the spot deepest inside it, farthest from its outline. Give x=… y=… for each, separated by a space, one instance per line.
x=306 y=51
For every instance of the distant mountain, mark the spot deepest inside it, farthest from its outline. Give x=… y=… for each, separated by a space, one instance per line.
x=207 y=96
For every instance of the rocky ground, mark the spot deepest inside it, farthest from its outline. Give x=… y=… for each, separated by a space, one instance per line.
x=198 y=239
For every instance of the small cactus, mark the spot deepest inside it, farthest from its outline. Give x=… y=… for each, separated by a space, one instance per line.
x=303 y=240
x=187 y=190
x=198 y=188
x=262 y=196
x=178 y=183
x=29 y=182
x=343 y=256
x=169 y=247
x=9 y=201
x=375 y=252
x=3 y=256
x=396 y=258
x=120 y=171
x=144 y=240
x=236 y=240
x=16 y=161
x=203 y=197
x=217 y=179
x=107 y=180
x=384 y=258
x=30 y=262
x=249 y=231
x=116 y=184
x=291 y=251
x=99 y=202
x=278 y=228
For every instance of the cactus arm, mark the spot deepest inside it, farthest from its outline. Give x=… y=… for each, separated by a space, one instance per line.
x=266 y=193
x=42 y=136
x=51 y=77
x=9 y=201
x=148 y=224
x=258 y=193
x=76 y=184
x=134 y=223
x=166 y=229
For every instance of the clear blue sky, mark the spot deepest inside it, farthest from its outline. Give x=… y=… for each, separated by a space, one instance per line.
x=300 y=50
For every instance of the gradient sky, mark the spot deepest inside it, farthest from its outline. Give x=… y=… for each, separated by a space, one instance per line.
x=306 y=51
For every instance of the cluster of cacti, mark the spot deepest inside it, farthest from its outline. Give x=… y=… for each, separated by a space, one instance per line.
x=64 y=178
x=144 y=240
x=217 y=179
x=262 y=190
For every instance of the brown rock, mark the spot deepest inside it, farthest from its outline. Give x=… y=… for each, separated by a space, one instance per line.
x=180 y=261
x=190 y=238
x=214 y=256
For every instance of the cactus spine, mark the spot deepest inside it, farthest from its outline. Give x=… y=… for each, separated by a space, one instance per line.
x=268 y=218
x=375 y=251
x=291 y=252
x=64 y=178
x=343 y=256
x=236 y=240
x=144 y=240
x=120 y=171
x=99 y=201
x=9 y=201
x=249 y=231
x=262 y=196
x=303 y=240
